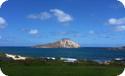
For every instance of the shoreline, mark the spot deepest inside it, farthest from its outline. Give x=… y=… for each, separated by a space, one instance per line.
x=63 y=59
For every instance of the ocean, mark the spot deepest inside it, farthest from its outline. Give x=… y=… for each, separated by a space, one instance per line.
x=78 y=53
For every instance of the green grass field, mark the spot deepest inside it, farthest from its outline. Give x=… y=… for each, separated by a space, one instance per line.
x=59 y=69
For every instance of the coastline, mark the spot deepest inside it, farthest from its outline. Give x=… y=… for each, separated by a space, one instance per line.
x=63 y=59
x=101 y=54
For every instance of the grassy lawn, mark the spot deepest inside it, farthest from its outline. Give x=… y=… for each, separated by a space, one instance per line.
x=58 y=69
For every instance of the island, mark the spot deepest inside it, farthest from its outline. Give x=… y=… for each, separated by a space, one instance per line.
x=63 y=43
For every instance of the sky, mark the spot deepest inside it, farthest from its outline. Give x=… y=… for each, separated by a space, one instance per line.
x=95 y=23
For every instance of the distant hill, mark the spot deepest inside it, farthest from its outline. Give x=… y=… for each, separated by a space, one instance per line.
x=63 y=43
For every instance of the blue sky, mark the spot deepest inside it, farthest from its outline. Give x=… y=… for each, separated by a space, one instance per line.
x=90 y=23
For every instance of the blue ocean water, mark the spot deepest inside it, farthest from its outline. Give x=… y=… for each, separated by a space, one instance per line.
x=79 y=53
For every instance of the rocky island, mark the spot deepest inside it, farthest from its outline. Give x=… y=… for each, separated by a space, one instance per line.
x=63 y=43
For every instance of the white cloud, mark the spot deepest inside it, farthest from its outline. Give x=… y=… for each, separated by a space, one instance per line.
x=120 y=28
x=119 y=24
x=122 y=1
x=33 y=32
x=2 y=1
x=61 y=15
x=41 y=16
x=92 y=32
x=115 y=21
x=2 y=22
